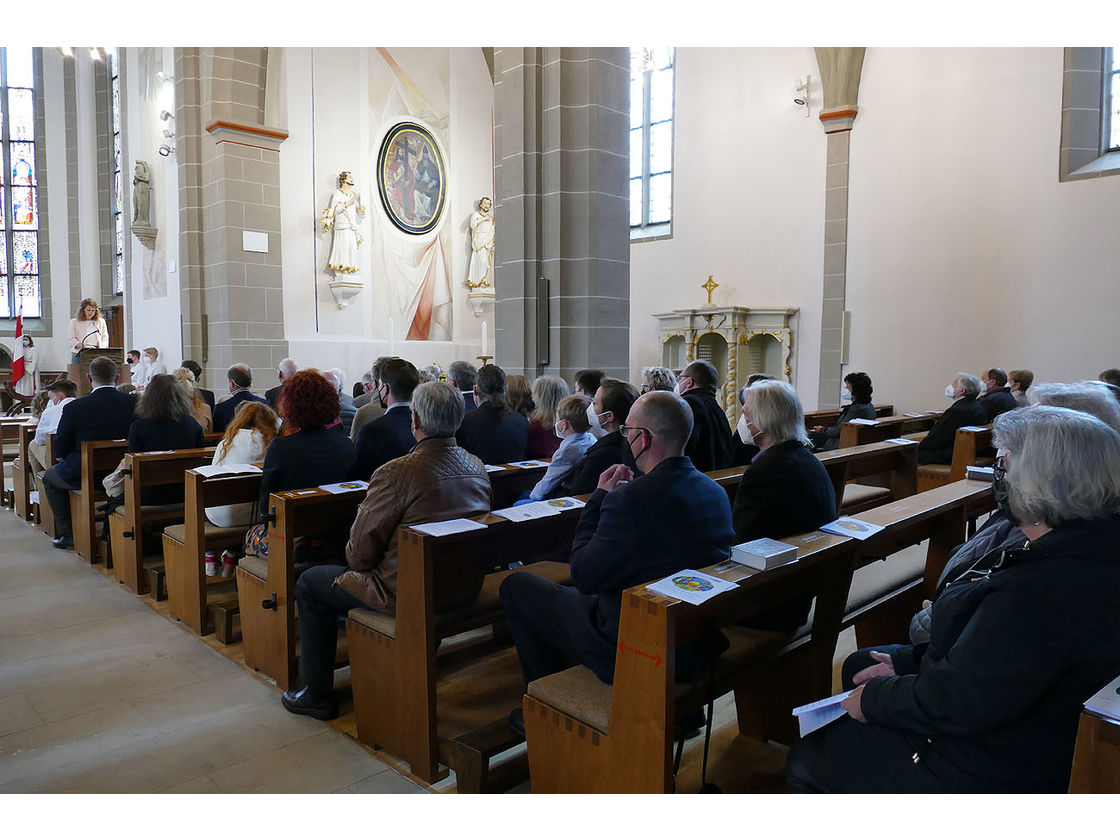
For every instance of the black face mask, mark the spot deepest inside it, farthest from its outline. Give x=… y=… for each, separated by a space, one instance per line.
x=1000 y=491
x=379 y=398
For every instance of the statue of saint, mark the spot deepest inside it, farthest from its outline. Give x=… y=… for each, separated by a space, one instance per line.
x=142 y=194
x=341 y=217
x=481 y=271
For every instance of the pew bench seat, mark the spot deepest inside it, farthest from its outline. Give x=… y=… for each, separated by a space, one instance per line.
x=214 y=533
x=858 y=497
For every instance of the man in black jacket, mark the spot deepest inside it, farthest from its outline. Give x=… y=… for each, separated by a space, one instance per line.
x=390 y=435
x=937 y=446
x=493 y=432
x=998 y=397
x=610 y=409
x=240 y=381
x=632 y=530
x=284 y=371
x=104 y=414
x=462 y=375
x=710 y=445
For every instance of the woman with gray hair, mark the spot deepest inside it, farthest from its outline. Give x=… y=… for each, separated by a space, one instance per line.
x=1091 y=397
x=785 y=490
x=655 y=378
x=1018 y=640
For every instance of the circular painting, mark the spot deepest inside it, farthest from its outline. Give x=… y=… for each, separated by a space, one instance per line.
x=411 y=178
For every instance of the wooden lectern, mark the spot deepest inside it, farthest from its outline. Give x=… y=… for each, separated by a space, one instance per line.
x=79 y=373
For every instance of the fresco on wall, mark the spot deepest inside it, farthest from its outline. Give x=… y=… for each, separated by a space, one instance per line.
x=410 y=240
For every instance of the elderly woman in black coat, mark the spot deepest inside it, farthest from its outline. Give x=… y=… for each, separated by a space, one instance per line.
x=1018 y=640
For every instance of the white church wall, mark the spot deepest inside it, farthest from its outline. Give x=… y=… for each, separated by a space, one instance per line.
x=53 y=353
x=964 y=250
x=156 y=316
x=339 y=103
x=748 y=204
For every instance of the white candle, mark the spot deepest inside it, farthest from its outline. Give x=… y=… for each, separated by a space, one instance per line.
x=392 y=340
x=484 y=337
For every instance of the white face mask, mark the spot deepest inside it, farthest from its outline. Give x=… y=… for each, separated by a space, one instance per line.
x=593 y=418
x=949 y=392
x=744 y=430
x=846 y=394
x=559 y=433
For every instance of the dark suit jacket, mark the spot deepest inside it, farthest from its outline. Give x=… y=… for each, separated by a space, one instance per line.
x=937 y=446
x=996 y=402
x=494 y=438
x=224 y=411
x=785 y=492
x=673 y=518
x=607 y=451
x=383 y=439
x=468 y=400
x=307 y=458
x=272 y=395
x=155 y=435
x=104 y=414
x=208 y=398
x=710 y=445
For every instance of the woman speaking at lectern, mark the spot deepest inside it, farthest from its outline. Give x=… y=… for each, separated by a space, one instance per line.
x=87 y=329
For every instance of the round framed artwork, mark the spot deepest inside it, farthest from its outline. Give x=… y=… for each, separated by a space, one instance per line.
x=412 y=178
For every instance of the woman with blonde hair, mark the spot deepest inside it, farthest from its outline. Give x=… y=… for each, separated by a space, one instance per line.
x=519 y=394
x=246 y=441
x=548 y=391
x=87 y=329
x=200 y=411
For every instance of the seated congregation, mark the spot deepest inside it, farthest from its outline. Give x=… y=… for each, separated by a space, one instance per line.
x=1016 y=631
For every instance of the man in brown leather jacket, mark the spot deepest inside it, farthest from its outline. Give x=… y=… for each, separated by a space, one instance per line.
x=437 y=480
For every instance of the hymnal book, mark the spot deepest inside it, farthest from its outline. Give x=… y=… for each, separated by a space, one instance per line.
x=1106 y=701
x=764 y=553
x=813 y=716
x=848 y=526
x=449 y=526
x=691 y=586
x=859 y=421
x=979 y=473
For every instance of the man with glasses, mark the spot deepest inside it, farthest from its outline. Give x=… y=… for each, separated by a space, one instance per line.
x=632 y=531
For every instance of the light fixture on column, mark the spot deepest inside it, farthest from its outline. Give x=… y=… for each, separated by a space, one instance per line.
x=94 y=54
x=166 y=115
x=802 y=89
x=67 y=52
x=165 y=150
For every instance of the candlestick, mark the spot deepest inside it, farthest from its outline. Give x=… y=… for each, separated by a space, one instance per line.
x=485 y=337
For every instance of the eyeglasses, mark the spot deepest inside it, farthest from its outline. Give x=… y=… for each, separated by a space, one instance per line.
x=999 y=468
x=626 y=430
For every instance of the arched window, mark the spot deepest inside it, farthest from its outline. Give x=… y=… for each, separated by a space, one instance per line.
x=19 y=200
x=652 y=71
x=1090 y=138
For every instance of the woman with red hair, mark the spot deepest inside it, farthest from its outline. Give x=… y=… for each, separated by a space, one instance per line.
x=310 y=454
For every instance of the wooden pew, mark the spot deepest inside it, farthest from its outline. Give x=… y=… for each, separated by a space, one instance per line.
x=920 y=424
x=43 y=508
x=130 y=523
x=1096 y=755
x=189 y=590
x=588 y=737
x=99 y=457
x=858 y=434
x=22 y=479
x=972 y=446
x=585 y=736
x=829 y=416
x=9 y=445
x=393 y=662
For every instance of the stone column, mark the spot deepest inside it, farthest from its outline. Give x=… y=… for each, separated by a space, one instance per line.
x=840 y=69
x=229 y=183
x=562 y=208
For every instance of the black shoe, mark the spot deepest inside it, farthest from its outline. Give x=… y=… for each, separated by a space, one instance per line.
x=320 y=705
x=516 y=721
x=63 y=542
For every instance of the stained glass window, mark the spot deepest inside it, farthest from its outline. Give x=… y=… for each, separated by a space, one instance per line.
x=1113 y=93
x=118 y=221
x=651 y=138
x=19 y=199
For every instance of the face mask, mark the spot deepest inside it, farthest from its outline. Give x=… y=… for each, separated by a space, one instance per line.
x=744 y=430
x=638 y=455
x=984 y=388
x=380 y=399
x=949 y=392
x=846 y=395
x=559 y=433
x=593 y=419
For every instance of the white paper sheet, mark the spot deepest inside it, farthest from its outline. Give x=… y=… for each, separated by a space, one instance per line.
x=33 y=497
x=537 y=510
x=345 y=486
x=226 y=469
x=528 y=465
x=449 y=526
x=491 y=468
x=900 y=440
x=1106 y=701
x=973 y=428
x=813 y=716
x=859 y=421
x=913 y=414
x=691 y=586
x=848 y=526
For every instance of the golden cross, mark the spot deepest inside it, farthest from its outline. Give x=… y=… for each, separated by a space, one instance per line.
x=711 y=286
